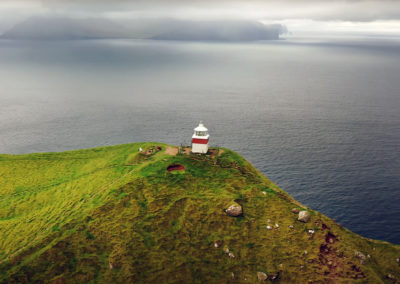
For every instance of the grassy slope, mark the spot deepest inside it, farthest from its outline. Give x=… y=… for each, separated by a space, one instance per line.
x=109 y=215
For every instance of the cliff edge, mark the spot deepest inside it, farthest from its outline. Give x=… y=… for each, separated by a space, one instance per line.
x=162 y=215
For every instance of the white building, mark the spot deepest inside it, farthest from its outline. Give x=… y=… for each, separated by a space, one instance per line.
x=200 y=139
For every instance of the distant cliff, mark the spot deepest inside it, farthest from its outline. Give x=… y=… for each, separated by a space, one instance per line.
x=222 y=31
x=45 y=28
x=161 y=215
x=64 y=28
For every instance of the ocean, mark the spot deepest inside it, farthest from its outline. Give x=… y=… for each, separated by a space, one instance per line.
x=320 y=118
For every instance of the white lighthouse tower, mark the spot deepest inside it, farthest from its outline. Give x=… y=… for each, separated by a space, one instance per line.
x=200 y=139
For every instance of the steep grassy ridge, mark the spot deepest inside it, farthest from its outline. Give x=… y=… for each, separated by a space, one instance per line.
x=114 y=215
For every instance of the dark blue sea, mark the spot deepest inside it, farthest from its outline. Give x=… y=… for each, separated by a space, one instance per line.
x=321 y=118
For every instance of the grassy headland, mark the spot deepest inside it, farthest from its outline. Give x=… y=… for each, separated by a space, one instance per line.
x=117 y=215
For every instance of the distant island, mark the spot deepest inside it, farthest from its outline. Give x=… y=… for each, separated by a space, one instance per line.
x=156 y=213
x=64 y=28
x=222 y=31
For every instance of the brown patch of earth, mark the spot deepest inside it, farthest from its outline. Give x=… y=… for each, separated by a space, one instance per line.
x=175 y=167
x=215 y=152
x=171 y=151
x=332 y=259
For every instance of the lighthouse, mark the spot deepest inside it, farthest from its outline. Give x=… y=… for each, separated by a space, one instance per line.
x=200 y=139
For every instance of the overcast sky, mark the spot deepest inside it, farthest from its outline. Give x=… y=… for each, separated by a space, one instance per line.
x=299 y=15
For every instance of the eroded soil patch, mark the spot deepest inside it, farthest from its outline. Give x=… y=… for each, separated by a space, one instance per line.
x=175 y=167
x=171 y=151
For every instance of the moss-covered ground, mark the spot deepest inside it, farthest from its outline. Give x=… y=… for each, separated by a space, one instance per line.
x=116 y=215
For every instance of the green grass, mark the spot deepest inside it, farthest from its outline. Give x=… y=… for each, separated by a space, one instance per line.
x=113 y=215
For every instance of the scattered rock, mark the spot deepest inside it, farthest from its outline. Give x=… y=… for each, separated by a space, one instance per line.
x=360 y=256
x=218 y=243
x=304 y=216
x=262 y=276
x=291 y=226
x=276 y=225
x=226 y=250
x=390 y=276
x=295 y=211
x=311 y=232
x=231 y=255
x=233 y=275
x=264 y=193
x=235 y=210
x=274 y=276
x=269 y=227
x=305 y=252
x=110 y=265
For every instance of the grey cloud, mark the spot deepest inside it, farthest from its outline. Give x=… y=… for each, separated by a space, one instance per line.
x=349 y=10
x=268 y=11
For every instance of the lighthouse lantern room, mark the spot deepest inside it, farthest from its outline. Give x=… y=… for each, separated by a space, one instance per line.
x=200 y=139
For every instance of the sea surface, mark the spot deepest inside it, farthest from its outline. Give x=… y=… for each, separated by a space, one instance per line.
x=321 y=118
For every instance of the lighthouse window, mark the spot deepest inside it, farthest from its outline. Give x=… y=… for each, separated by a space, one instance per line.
x=201 y=133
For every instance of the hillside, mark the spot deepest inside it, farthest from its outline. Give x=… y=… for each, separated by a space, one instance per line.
x=117 y=215
x=64 y=28
x=220 y=31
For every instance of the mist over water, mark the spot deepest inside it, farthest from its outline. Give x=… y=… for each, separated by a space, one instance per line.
x=321 y=120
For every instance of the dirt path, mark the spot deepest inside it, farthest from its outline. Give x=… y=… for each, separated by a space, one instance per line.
x=171 y=151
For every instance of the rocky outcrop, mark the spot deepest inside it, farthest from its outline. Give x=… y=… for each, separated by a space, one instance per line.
x=304 y=216
x=234 y=210
x=361 y=257
x=262 y=276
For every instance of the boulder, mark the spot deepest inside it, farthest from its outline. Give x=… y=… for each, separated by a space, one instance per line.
x=304 y=216
x=262 y=276
x=234 y=210
x=360 y=256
